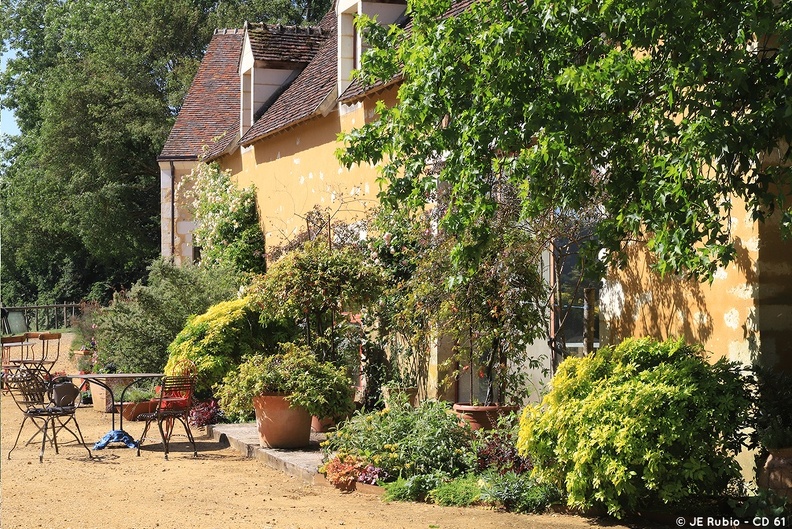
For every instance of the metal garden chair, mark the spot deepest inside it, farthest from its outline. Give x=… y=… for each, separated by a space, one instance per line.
x=48 y=405
x=175 y=402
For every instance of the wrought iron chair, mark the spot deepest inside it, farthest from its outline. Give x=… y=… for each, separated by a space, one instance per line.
x=50 y=351
x=47 y=405
x=175 y=401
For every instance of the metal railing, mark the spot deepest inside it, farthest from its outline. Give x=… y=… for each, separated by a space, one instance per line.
x=39 y=317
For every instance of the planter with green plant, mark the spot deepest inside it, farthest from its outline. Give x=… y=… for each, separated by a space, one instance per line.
x=283 y=390
x=137 y=400
x=491 y=316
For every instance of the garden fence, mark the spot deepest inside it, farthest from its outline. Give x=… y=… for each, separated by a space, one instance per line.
x=17 y=320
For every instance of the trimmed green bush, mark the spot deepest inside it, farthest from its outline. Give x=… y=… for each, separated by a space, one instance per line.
x=639 y=424
x=216 y=340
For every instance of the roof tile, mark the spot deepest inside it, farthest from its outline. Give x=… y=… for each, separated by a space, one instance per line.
x=210 y=113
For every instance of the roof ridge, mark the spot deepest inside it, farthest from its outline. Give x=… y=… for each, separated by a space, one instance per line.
x=226 y=31
x=294 y=30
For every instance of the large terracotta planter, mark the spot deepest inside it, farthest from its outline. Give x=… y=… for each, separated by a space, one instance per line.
x=777 y=472
x=131 y=410
x=482 y=417
x=279 y=425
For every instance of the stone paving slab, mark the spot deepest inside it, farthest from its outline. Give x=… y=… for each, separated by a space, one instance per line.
x=302 y=463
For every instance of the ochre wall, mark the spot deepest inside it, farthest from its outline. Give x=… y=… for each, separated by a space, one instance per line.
x=744 y=314
x=296 y=170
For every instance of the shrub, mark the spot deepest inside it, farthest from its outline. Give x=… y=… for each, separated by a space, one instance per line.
x=135 y=330
x=496 y=451
x=413 y=488
x=638 y=424
x=323 y=389
x=460 y=492
x=405 y=441
x=519 y=493
x=216 y=340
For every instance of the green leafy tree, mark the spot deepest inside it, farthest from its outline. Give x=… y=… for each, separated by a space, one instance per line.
x=135 y=330
x=95 y=86
x=660 y=115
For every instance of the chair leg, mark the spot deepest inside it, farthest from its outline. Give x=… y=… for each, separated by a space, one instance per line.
x=169 y=429
x=19 y=433
x=79 y=438
x=143 y=435
x=186 y=424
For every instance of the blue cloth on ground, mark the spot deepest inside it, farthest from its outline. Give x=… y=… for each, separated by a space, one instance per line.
x=115 y=436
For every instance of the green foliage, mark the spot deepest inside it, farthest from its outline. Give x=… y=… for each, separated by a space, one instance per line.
x=320 y=387
x=414 y=488
x=638 y=424
x=95 y=86
x=135 y=330
x=314 y=286
x=405 y=441
x=519 y=493
x=773 y=413
x=765 y=503
x=227 y=223
x=493 y=315
x=658 y=114
x=461 y=492
x=217 y=340
x=139 y=394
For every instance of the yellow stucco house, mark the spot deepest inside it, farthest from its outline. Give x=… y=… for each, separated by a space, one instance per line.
x=268 y=103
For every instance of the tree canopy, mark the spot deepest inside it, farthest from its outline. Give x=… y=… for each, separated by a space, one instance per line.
x=658 y=115
x=95 y=86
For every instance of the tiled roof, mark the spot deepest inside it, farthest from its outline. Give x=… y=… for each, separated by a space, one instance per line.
x=303 y=98
x=281 y=45
x=210 y=113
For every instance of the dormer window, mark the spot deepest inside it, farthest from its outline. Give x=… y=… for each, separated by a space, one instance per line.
x=350 y=44
x=272 y=57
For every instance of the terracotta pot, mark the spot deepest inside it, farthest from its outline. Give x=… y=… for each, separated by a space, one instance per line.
x=279 y=425
x=321 y=425
x=131 y=410
x=777 y=472
x=482 y=417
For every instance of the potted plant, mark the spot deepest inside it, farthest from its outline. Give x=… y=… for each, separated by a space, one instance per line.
x=491 y=314
x=137 y=400
x=285 y=390
x=774 y=429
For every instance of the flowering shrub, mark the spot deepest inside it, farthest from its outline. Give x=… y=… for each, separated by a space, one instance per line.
x=227 y=224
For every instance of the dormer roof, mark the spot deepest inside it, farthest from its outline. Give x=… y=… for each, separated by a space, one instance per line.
x=209 y=116
x=307 y=94
x=276 y=46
